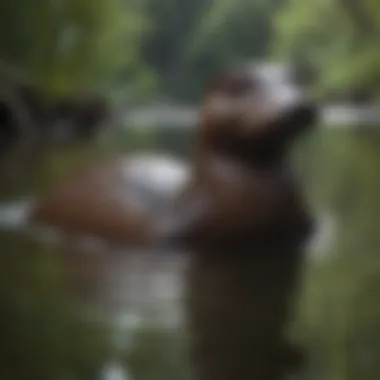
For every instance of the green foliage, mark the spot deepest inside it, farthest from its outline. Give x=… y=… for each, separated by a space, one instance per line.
x=228 y=32
x=173 y=23
x=69 y=45
x=339 y=37
x=191 y=40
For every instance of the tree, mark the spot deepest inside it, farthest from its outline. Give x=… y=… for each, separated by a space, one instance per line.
x=191 y=40
x=230 y=31
x=338 y=37
x=70 y=45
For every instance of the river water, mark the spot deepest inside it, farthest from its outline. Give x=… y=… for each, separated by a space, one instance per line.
x=130 y=284
x=133 y=282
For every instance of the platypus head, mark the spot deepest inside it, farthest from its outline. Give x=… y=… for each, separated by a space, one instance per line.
x=254 y=112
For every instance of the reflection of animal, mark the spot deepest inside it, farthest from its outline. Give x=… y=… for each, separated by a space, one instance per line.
x=244 y=220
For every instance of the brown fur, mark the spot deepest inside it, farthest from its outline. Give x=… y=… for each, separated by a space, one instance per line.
x=98 y=202
x=242 y=188
x=244 y=221
x=117 y=200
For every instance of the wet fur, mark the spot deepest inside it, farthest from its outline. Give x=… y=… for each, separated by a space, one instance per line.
x=244 y=221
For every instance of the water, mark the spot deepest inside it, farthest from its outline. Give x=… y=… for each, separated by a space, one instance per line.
x=166 y=115
x=130 y=284
x=114 y=371
x=14 y=214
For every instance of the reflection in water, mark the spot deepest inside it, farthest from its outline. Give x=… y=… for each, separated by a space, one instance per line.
x=13 y=215
x=124 y=288
x=121 y=287
x=323 y=238
x=114 y=371
x=140 y=288
x=164 y=115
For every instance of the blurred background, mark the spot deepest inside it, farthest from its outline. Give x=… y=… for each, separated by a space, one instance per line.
x=70 y=312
